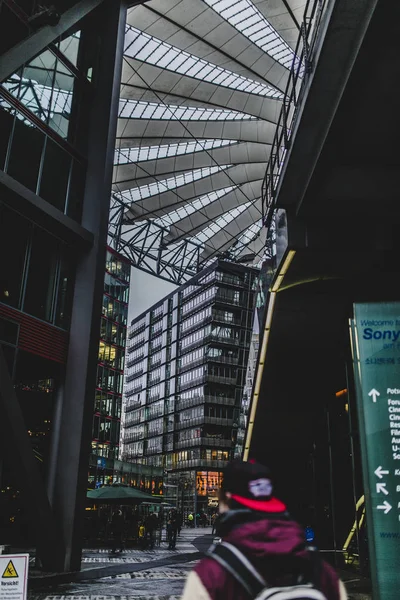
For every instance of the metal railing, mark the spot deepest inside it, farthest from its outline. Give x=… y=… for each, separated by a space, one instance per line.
x=302 y=66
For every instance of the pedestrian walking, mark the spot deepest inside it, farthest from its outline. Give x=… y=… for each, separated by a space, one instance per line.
x=190 y=520
x=151 y=525
x=117 y=527
x=262 y=552
x=172 y=529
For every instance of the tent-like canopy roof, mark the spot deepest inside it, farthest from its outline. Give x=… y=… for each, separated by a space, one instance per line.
x=202 y=89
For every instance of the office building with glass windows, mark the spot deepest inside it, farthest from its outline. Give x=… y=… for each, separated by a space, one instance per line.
x=185 y=372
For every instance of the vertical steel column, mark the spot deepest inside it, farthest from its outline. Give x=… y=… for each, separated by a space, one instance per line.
x=72 y=454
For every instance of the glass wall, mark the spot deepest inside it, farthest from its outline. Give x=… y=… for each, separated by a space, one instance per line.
x=37 y=275
x=41 y=106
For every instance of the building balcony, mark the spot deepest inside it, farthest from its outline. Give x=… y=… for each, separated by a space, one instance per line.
x=201 y=464
x=204 y=420
x=226 y=360
x=190 y=402
x=222 y=299
x=136 y=344
x=192 y=365
x=219 y=379
x=154 y=397
x=192 y=383
x=134 y=361
x=204 y=441
x=134 y=375
x=156 y=363
x=133 y=419
x=137 y=329
x=134 y=390
x=188 y=311
x=195 y=326
x=133 y=437
x=219 y=339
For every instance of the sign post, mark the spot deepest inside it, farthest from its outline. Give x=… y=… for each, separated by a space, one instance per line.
x=13 y=576
x=375 y=334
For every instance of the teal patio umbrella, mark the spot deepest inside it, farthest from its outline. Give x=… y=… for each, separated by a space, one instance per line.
x=121 y=494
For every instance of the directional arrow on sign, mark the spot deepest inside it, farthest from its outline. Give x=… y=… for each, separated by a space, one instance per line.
x=374 y=393
x=379 y=472
x=381 y=487
x=386 y=507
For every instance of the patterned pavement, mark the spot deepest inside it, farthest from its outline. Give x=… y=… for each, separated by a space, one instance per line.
x=158 y=583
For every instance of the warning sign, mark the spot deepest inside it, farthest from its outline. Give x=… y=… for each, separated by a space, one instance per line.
x=13 y=576
x=10 y=570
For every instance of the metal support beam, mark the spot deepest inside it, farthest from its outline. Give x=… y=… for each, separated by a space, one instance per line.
x=74 y=431
x=17 y=448
x=23 y=52
x=46 y=215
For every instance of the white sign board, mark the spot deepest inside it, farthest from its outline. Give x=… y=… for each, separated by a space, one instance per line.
x=13 y=576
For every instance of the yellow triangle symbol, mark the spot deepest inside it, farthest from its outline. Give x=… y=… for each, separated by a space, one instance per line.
x=10 y=570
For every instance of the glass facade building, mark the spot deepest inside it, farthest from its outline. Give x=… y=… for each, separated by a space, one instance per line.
x=184 y=377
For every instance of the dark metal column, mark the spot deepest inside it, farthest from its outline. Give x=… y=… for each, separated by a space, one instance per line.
x=74 y=435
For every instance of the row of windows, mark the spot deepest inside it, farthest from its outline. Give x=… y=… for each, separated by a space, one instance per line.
x=200 y=299
x=191 y=375
x=156 y=328
x=135 y=385
x=191 y=357
x=154 y=445
x=222 y=371
x=206 y=410
x=136 y=354
x=51 y=171
x=114 y=310
x=133 y=449
x=197 y=392
x=111 y=356
x=109 y=380
x=112 y=332
x=116 y=288
x=200 y=453
x=154 y=375
x=36 y=271
x=118 y=267
x=229 y=296
x=224 y=315
x=156 y=358
x=198 y=317
x=105 y=430
x=222 y=353
x=107 y=404
x=195 y=337
x=155 y=427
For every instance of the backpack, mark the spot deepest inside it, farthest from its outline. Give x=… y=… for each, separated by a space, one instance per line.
x=236 y=563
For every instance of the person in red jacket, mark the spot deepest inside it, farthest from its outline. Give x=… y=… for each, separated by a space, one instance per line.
x=258 y=524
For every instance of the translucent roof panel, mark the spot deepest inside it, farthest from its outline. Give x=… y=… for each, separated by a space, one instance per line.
x=247 y=236
x=220 y=223
x=247 y=19
x=143 y=47
x=159 y=187
x=137 y=109
x=144 y=153
x=192 y=207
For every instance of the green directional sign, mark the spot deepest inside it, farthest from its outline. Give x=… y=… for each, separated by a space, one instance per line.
x=376 y=353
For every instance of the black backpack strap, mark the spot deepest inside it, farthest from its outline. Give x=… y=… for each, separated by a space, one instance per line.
x=239 y=566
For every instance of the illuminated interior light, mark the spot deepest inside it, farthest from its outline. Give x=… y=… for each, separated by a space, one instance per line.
x=260 y=370
x=283 y=270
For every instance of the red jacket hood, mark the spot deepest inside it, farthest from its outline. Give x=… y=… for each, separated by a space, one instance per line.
x=268 y=537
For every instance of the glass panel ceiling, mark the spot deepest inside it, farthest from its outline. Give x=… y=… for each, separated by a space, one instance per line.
x=247 y=19
x=194 y=206
x=144 y=153
x=220 y=223
x=248 y=236
x=153 y=51
x=159 y=187
x=136 y=109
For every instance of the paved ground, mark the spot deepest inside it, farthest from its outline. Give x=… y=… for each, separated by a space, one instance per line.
x=133 y=575
x=142 y=574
